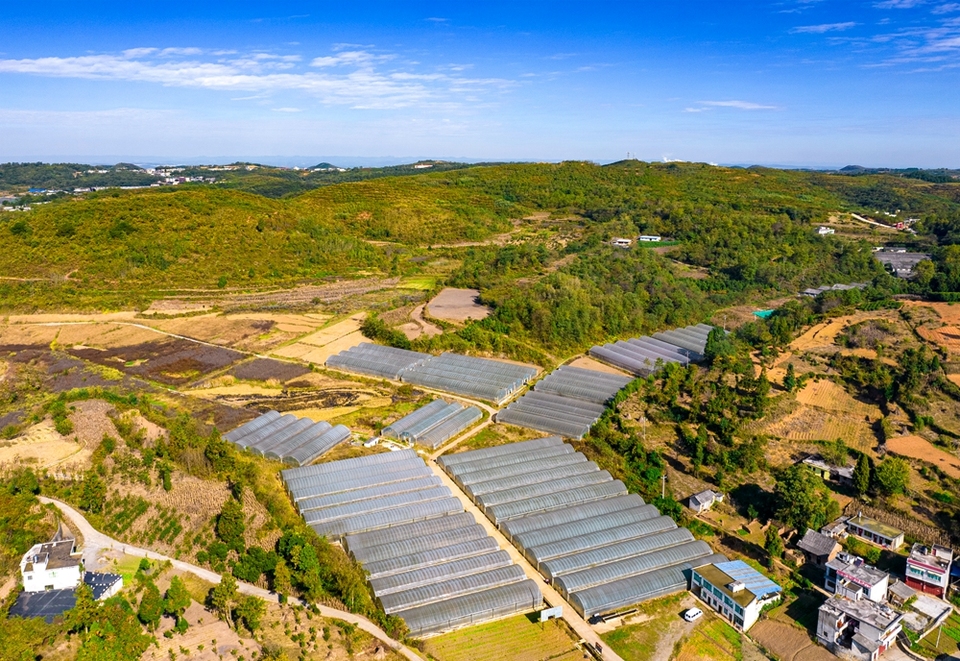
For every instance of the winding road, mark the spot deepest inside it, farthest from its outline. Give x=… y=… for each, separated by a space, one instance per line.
x=95 y=542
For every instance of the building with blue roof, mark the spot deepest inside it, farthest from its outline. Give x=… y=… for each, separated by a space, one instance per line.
x=735 y=590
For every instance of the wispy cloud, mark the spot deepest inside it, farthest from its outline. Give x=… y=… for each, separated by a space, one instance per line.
x=350 y=76
x=739 y=105
x=823 y=27
x=946 y=9
x=287 y=109
x=899 y=4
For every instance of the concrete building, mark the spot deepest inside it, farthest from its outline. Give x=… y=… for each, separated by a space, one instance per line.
x=650 y=238
x=703 y=501
x=622 y=243
x=828 y=472
x=54 y=565
x=869 y=529
x=861 y=630
x=818 y=549
x=735 y=590
x=824 y=231
x=849 y=576
x=928 y=569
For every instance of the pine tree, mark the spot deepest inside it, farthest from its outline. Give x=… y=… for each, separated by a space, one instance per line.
x=861 y=474
x=790 y=380
x=250 y=611
x=231 y=525
x=151 y=606
x=84 y=612
x=177 y=599
x=222 y=597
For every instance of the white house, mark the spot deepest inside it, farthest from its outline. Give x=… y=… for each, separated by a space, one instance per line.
x=735 y=590
x=823 y=231
x=860 y=629
x=54 y=565
x=650 y=238
x=622 y=243
x=703 y=501
x=849 y=576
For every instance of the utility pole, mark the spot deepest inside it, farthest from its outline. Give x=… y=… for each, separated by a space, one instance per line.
x=643 y=425
x=663 y=486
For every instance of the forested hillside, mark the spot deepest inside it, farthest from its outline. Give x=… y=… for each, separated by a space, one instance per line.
x=743 y=228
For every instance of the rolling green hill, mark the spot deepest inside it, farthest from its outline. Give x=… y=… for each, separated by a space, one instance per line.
x=748 y=228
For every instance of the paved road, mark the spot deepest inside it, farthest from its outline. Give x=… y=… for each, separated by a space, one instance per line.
x=95 y=542
x=551 y=596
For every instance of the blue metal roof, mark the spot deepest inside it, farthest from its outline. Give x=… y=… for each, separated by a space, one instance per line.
x=756 y=583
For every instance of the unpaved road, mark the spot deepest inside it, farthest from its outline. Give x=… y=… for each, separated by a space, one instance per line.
x=95 y=542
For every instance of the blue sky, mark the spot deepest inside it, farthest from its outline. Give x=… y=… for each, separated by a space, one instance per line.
x=792 y=82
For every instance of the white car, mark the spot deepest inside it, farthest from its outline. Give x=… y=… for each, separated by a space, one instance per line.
x=693 y=614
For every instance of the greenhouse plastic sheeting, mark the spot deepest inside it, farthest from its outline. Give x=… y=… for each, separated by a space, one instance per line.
x=592 y=557
x=347 y=464
x=547 y=520
x=454 y=587
x=379 y=491
x=376 y=360
x=251 y=425
x=432 y=557
x=449 y=460
x=542 y=489
x=312 y=430
x=440 y=572
x=449 y=428
x=346 y=473
x=608 y=354
x=387 y=518
x=574 y=430
x=500 y=513
x=270 y=428
x=506 y=459
x=394 y=429
x=406 y=531
x=406 y=547
x=472 y=608
x=691 y=356
x=544 y=463
x=322 y=485
x=613 y=596
x=524 y=479
x=612 y=571
x=315 y=447
x=411 y=500
x=588 y=385
x=425 y=425
x=595 y=523
x=612 y=534
x=680 y=340
x=669 y=353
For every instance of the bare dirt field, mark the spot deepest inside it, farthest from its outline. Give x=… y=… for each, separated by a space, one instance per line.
x=917 y=447
x=949 y=313
x=824 y=335
x=595 y=365
x=320 y=345
x=788 y=643
x=946 y=337
x=826 y=394
x=43 y=447
x=457 y=305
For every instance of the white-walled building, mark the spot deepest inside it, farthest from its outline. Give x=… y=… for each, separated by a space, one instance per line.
x=849 y=576
x=54 y=565
x=859 y=629
x=735 y=590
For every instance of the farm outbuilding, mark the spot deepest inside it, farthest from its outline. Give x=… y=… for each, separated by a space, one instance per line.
x=294 y=441
x=600 y=547
x=427 y=561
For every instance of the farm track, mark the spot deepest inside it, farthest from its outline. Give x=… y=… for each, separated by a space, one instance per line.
x=95 y=542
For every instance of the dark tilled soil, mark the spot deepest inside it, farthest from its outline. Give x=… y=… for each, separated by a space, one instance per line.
x=292 y=401
x=263 y=369
x=169 y=361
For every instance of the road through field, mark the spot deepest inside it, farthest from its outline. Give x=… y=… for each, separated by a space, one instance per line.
x=551 y=596
x=94 y=542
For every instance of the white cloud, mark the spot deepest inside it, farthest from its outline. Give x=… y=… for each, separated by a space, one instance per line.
x=349 y=77
x=899 y=4
x=947 y=8
x=739 y=105
x=287 y=110
x=823 y=27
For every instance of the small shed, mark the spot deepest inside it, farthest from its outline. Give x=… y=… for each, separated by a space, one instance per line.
x=703 y=501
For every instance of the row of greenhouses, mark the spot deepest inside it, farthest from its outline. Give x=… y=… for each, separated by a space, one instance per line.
x=287 y=438
x=433 y=424
x=644 y=355
x=427 y=560
x=600 y=547
x=490 y=380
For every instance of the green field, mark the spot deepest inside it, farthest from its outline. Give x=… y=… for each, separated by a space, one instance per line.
x=520 y=638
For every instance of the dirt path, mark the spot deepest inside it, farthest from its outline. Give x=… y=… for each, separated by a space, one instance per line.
x=550 y=596
x=428 y=328
x=96 y=542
